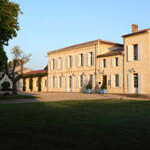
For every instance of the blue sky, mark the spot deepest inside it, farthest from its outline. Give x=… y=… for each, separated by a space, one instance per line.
x=52 y=24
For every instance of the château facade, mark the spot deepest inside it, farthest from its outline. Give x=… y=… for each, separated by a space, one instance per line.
x=125 y=68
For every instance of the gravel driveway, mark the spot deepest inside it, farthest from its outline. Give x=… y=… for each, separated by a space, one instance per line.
x=51 y=97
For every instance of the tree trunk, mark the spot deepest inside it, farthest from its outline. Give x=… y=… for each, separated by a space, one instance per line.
x=14 y=87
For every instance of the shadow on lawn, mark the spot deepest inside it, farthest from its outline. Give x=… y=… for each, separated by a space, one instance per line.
x=97 y=124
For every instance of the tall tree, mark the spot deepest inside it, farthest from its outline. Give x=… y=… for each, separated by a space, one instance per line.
x=9 y=26
x=19 y=59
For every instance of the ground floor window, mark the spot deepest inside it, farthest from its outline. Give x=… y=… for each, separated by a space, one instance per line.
x=60 y=81
x=53 y=82
x=70 y=82
x=117 y=80
x=81 y=81
x=135 y=80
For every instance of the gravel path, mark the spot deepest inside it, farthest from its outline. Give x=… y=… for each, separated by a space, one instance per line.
x=52 y=97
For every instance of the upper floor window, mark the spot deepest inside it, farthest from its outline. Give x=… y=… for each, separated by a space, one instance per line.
x=82 y=59
x=91 y=58
x=117 y=61
x=70 y=61
x=135 y=51
x=60 y=63
x=104 y=63
x=81 y=81
x=53 y=64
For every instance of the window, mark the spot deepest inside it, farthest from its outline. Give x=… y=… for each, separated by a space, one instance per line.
x=82 y=63
x=135 y=80
x=60 y=63
x=53 y=64
x=91 y=79
x=81 y=81
x=70 y=82
x=60 y=81
x=91 y=59
x=54 y=82
x=37 y=83
x=135 y=51
x=117 y=80
x=104 y=63
x=45 y=83
x=117 y=61
x=70 y=61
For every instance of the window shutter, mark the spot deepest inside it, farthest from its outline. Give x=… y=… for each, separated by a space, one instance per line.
x=129 y=53
x=139 y=84
x=77 y=60
x=93 y=56
x=66 y=62
x=118 y=61
x=139 y=51
x=93 y=80
x=87 y=59
x=129 y=83
x=72 y=83
x=119 y=80
x=112 y=61
x=86 y=79
x=72 y=61
x=111 y=80
x=56 y=63
x=66 y=84
x=77 y=82
x=49 y=82
x=83 y=59
x=61 y=63
x=50 y=64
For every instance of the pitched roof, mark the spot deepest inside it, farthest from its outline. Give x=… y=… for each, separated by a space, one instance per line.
x=112 y=53
x=36 y=71
x=140 y=31
x=85 y=44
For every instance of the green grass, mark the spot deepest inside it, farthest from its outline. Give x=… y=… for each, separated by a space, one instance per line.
x=76 y=125
x=12 y=96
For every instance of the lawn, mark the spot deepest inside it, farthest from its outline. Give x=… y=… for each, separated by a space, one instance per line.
x=13 y=96
x=76 y=125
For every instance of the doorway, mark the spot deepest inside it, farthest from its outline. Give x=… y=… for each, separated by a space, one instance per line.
x=104 y=81
x=136 y=81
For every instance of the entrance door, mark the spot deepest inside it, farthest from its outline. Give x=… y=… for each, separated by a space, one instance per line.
x=104 y=80
x=136 y=81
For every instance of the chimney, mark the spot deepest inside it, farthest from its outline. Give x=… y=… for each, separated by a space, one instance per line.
x=134 y=28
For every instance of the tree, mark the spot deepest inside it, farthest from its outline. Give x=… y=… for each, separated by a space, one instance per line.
x=19 y=58
x=9 y=26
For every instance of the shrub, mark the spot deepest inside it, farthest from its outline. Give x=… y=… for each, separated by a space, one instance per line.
x=104 y=86
x=5 y=86
x=89 y=85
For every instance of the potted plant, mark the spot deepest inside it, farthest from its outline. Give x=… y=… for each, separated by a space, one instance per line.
x=89 y=88
x=103 y=89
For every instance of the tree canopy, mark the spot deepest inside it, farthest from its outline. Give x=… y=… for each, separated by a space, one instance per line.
x=9 y=26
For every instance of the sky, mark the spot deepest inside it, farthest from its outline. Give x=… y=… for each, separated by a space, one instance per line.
x=52 y=24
